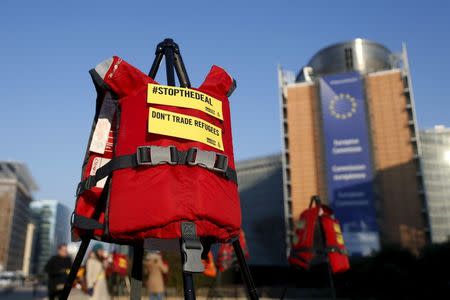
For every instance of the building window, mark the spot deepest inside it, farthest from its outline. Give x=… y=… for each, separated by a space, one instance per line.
x=348 y=58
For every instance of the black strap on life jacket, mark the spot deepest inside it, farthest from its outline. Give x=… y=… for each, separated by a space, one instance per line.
x=85 y=223
x=157 y=155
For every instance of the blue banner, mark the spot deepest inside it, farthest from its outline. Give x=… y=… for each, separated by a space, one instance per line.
x=348 y=158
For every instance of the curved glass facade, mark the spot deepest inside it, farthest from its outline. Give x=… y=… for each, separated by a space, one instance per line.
x=436 y=169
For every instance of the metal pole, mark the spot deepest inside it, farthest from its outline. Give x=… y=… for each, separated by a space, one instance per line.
x=245 y=271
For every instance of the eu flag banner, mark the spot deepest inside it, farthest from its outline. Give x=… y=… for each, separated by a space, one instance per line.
x=349 y=170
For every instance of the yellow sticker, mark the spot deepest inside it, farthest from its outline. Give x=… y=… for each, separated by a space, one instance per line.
x=184 y=97
x=340 y=239
x=337 y=228
x=183 y=126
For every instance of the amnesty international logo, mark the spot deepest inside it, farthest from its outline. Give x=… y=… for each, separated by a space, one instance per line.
x=342 y=106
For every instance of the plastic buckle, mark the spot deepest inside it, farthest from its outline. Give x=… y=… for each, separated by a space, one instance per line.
x=143 y=157
x=155 y=155
x=84 y=186
x=222 y=163
x=89 y=182
x=207 y=159
x=192 y=249
x=162 y=155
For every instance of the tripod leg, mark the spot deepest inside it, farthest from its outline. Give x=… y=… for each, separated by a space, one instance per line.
x=156 y=63
x=168 y=53
x=136 y=273
x=188 y=286
x=330 y=278
x=183 y=77
x=74 y=269
x=245 y=271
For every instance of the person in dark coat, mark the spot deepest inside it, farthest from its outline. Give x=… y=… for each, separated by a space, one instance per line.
x=58 y=268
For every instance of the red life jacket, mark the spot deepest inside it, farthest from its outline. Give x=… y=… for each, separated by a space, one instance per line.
x=119 y=264
x=157 y=179
x=308 y=239
x=226 y=255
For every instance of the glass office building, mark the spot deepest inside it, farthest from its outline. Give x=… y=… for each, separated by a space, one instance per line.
x=436 y=170
x=52 y=221
x=16 y=192
x=261 y=192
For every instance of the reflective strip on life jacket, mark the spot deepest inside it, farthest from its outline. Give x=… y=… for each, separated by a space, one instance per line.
x=156 y=155
x=331 y=249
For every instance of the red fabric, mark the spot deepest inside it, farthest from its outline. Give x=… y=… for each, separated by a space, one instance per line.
x=88 y=201
x=302 y=251
x=333 y=238
x=153 y=201
x=225 y=257
x=243 y=242
x=119 y=264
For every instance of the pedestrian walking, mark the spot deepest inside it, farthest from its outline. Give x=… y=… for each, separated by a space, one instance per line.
x=156 y=270
x=96 y=265
x=57 y=269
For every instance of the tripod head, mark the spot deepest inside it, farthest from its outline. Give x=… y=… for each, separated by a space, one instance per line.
x=167 y=43
x=171 y=51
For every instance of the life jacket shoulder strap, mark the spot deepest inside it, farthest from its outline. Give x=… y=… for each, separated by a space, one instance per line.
x=118 y=76
x=157 y=155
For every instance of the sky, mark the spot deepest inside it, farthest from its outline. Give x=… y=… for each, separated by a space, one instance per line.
x=47 y=48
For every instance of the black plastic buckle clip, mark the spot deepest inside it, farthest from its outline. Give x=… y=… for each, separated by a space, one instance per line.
x=208 y=159
x=156 y=155
x=85 y=185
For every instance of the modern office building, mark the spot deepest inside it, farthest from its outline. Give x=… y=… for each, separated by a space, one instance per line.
x=52 y=221
x=350 y=136
x=16 y=188
x=261 y=191
x=435 y=145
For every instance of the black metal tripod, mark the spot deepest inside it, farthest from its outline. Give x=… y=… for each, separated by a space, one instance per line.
x=174 y=63
x=170 y=50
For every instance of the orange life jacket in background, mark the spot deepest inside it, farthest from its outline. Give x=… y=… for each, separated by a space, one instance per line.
x=210 y=266
x=308 y=240
x=158 y=156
